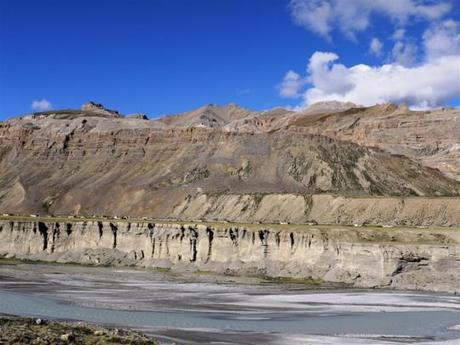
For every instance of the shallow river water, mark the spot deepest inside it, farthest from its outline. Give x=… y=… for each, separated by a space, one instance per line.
x=202 y=309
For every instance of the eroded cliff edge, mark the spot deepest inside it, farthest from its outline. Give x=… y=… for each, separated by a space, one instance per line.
x=403 y=258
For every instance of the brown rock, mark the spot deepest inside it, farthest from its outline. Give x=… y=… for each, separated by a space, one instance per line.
x=84 y=162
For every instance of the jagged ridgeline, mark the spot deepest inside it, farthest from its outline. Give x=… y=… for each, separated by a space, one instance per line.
x=230 y=163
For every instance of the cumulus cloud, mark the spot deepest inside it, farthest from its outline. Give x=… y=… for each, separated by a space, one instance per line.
x=424 y=86
x=376 y=47
x=328 y=76
x=442 y=39
x=41 y=105
x=291 y=85
x=422 y=75
x=352 y=16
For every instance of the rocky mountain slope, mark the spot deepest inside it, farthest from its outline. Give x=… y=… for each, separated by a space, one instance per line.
x=95 y=161
x=431 y=137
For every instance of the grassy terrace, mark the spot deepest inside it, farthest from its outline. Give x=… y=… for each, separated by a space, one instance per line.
x=214 y=223
x=364 y=230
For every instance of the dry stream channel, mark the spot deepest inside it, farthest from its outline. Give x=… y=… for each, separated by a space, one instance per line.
x=203 y=308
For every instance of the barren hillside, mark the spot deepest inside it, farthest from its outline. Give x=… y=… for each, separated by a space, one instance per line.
x=95 y=161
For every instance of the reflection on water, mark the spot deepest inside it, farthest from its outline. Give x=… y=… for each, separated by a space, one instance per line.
x=191 y=309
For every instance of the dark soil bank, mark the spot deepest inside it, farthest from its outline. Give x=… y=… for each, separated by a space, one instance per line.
x=15 y=330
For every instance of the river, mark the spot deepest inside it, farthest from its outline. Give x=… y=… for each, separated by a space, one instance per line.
x=203 y=308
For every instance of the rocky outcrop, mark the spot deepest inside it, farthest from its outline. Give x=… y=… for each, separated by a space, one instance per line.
x=403 y=258
x=98 y=108
x=138 y=116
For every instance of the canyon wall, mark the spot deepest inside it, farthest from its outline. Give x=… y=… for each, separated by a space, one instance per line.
x=404 y=258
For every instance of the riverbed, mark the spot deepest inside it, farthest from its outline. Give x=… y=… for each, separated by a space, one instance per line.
x=203 y=308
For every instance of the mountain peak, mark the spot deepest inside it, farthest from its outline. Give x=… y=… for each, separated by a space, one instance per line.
x=99 y=108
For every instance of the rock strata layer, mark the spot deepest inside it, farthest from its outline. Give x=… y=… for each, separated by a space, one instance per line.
x=403 y=258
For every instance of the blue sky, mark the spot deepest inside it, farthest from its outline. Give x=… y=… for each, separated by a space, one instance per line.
x=167 y=56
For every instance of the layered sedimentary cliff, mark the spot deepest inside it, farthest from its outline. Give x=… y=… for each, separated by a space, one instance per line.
x=95 y=161
x=408 y=258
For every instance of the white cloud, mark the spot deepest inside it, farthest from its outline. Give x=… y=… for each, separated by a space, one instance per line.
x=442 y=39
x=427 y=85
x=326 y=75
x=399 y=34
x=423 y=76
x=41 y=105
x=376 y=47
x=291 y=85
x=352 y=16
x=404 y=53
x=315 y=15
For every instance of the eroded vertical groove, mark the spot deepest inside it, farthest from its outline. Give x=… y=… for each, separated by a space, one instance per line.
x=114 y=229
x=43 y=230
x=210 y=234
x=263 y=236
x=69 y=229
x=182 y=233
x=151 y=228
x=233 y=236
x=167 y=244
x=100 y=227
x=193 y=239
x=56 y=234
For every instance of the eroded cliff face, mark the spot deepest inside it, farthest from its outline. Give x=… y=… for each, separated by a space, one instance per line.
x=409 y=258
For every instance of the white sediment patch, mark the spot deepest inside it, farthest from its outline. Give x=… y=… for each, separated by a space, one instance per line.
x=354 y=339
x=353 y=302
